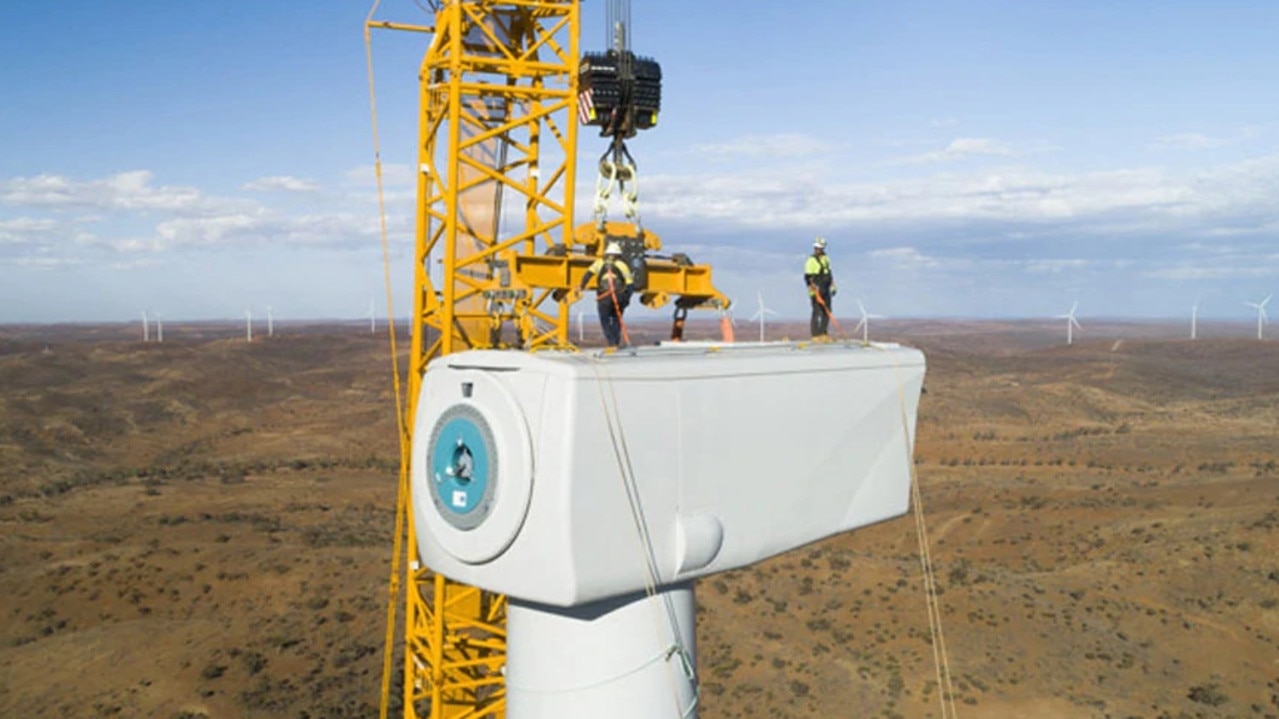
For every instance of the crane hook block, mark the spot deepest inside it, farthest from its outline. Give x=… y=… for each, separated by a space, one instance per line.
x=619 y=93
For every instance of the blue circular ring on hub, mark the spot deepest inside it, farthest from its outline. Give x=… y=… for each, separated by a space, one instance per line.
x=463 y=467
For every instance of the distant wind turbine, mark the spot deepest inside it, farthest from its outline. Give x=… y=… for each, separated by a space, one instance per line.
x=270 y=322
x=1261 y=314
x=146 y=328
x=762 y=315
x=159 y=328
x=1071 y=323
x=1194 y=321
x=248 y=325
x=864 y=324
x=581 y=332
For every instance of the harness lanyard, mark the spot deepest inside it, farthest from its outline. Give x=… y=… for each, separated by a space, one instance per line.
x=609 y=273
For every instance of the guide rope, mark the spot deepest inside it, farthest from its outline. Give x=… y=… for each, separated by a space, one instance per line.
x=941 y=659
x=652 y=579
x=402 y=489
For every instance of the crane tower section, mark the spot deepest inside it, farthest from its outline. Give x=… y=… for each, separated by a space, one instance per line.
x=496 y=261
x=496 y=160
x=495 y=172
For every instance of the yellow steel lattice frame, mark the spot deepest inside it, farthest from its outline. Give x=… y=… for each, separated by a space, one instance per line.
x=498 y=131
x=498 y=97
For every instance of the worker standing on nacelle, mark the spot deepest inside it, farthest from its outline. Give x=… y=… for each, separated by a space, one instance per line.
x=821 y=287
x=613 y=288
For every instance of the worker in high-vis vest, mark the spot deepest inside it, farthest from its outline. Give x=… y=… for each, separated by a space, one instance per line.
x=821 y=287
x=614 y=284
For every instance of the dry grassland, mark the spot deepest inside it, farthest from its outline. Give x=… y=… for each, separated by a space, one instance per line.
x=202 y=529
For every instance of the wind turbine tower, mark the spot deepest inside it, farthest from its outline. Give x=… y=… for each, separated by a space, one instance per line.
x=270 y=322
x=1194 y=321
x=248 y=325
x=1261 y=314
x=864 y=324
x=372 y=317
x=581 y=330
x=159 y=328
x=762 y=315
x=146 y=328
x=1071 y=323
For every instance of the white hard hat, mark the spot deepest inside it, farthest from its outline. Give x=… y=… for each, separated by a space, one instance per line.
x=819 y=243
x=613 y=249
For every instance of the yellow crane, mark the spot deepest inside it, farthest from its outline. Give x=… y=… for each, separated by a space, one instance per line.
x=502 y=97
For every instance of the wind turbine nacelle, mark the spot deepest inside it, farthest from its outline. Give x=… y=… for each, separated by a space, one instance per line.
x=564 y=478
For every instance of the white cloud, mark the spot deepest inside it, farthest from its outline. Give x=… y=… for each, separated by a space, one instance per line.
x=905 y=257
x=46 y=262
x=26 y=224
x=785 y=146
x=215 y=230
x=126 y=191
x=95 y=220
x=1220 y=260
x=26 y=236
x=1185 y=272
x=133 y=264
x=1053 y=266
x=1199 y=141
x=913 y=259
x=961 y=148
x=1126 y=200
x=271 y=228
x=393 y=176
x=1191 y=141
x=281 y=183
x=916 y=226
x=129 y=245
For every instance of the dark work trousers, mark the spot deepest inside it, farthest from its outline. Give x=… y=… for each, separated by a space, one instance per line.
x=610 y=309
x=821 y=315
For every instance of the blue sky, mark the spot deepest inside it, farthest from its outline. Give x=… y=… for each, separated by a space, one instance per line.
x=976 y=159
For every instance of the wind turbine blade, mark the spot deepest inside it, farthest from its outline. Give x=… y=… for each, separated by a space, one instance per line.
x=1075 y=322
x=756 y=316
x=860 y=325
x=1263 y=302
x=1074 y=307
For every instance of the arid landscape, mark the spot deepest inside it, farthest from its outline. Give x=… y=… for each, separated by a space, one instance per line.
x=202 y=528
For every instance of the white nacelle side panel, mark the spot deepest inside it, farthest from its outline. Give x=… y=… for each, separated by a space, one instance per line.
x=736 y=454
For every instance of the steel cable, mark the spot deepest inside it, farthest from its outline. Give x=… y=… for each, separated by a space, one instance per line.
x=626 y=470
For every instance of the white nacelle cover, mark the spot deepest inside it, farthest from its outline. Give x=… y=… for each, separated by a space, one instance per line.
x=549 y=476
